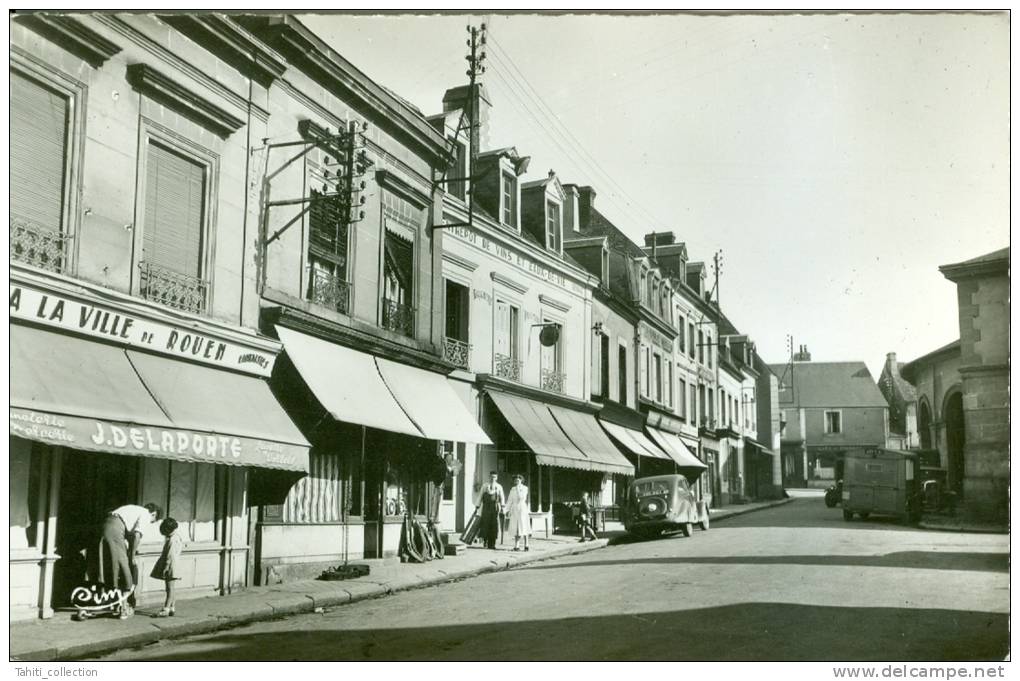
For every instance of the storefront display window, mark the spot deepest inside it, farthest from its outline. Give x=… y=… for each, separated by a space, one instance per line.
x=25 y=470
x=187 y=492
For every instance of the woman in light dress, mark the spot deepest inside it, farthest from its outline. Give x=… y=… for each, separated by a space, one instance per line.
x=518 y=511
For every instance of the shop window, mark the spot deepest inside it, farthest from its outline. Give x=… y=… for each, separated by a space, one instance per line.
x=40 y=132
x=174 y=228
x=24 y=486
x=833 y=422
x=186 y=492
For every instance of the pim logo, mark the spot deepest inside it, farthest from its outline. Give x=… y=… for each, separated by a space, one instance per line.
x=98 y=597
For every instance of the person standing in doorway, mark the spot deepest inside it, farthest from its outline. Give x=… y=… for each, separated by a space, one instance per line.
x=122 y=533
x=493 y=503
x=518 y=511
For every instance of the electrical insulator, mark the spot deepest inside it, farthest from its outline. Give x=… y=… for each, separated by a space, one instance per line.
x=361 y=201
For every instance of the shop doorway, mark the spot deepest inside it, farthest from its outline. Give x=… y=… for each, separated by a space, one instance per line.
x=955 y=441
x=91 y=485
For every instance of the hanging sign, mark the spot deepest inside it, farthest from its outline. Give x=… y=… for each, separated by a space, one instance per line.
x=75 y=314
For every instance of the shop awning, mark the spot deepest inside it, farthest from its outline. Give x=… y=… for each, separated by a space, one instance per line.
x=431 y=403
x=346 y=382
x=636 y=443
x=677 y=450
x=86 y=395
x=583 y=430
x=359 y=388
x=535 y=424
x=755 y=443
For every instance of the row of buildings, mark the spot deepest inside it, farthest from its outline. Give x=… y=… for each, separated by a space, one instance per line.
x=255 y=287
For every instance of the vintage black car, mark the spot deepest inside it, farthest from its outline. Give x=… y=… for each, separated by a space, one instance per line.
x=663 y=503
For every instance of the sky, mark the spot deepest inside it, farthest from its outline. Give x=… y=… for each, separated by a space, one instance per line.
x=836 y=160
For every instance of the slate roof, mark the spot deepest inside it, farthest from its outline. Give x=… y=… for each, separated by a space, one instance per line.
x=833 y=384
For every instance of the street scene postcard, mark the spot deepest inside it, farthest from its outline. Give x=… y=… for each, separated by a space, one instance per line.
x=497 y=336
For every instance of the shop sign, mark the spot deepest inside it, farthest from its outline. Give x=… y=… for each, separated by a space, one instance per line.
x=170 y=443
x=514 y=258
x=80 y=316
x=656 y=338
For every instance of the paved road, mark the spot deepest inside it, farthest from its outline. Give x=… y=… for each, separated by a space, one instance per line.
x=791 y=583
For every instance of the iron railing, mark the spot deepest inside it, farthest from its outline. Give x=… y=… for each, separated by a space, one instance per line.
x=398 y=317
x=553 y=380
x=329 y=290
x=457 y=352
x=505 y=366
x=173 y=289
x=38 y=246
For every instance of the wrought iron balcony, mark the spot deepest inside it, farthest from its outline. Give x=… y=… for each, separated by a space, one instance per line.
x=708 y=425
x=329 y=290
x=173 y=289
x=507 y=367
x=38 y=246
x=457 y=352
x=398 y=317
x=553 y=380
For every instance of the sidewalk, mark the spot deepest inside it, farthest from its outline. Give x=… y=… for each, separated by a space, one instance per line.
x=60 y=638
x=946 y=523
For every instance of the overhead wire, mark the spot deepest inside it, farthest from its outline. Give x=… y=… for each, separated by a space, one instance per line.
x=502 y=59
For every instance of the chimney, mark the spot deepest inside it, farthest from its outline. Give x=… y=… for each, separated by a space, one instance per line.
x=585 y=202
x=660 y=239
x=571 y=208
x=803 y=355
x=890 y=363
x=456 y=99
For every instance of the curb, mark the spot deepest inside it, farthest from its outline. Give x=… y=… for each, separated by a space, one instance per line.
x=963 y=528
x=742 y=511
x=276 y=605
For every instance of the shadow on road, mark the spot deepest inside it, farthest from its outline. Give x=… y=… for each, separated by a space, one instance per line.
x=925 y=560
x=746 y=631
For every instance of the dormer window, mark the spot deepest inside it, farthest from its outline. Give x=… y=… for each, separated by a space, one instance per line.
x=553 y=235
x=605 y=267
x=509 y=200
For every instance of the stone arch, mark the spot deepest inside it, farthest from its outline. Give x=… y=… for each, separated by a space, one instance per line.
x=956 y=438
x=924 y=422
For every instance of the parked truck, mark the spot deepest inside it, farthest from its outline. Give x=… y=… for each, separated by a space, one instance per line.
x=878 y=481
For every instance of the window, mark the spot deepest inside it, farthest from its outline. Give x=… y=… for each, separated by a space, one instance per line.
x=173 y=233
x=509 y=200
x=681 y=325
x=643 y=361
x=682 y=394
x=552 y=226
x=506 y=351
x=669 y=383
x=701 y=347
x=327 y=253
x=711 y=405
x=701 y=402
x=690 y=334
x=600 y=359
x=708 y=350
x=186 y=492
x=833 y=422
x=622 y=374
x=657 y=376
x=398 y=279
x=551 y=362
x=735 y=413
x=40 y=127
x=722 y=405
x=458 y=171
x=455 y=344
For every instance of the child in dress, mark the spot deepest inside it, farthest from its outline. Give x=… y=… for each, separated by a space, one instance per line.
x=167 y=567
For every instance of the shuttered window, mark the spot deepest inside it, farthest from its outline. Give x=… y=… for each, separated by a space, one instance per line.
x=174 y=211
x=39 y=132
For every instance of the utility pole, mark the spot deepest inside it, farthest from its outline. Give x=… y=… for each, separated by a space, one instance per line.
x=717 y=270
x=476 y=67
